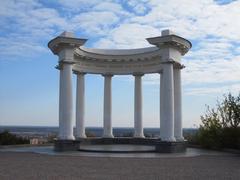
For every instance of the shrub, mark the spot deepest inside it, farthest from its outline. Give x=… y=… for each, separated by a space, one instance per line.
x=7 y=138
x=220 y=127
x=231 y=137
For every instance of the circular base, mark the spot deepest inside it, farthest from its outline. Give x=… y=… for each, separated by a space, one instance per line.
x=117 y=148
x=168 y=139
x=138 y=136
x=122 y=145
x=179 y=138
x=108 y=136
x=66 y=145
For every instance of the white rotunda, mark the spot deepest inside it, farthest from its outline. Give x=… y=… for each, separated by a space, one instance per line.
x=163 y=58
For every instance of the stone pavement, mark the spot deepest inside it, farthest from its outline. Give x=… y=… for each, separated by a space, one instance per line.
x=42 y=163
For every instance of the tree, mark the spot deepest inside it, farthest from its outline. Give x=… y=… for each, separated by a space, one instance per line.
x=7 y=138
x=229 y=111
x=220 y=126
x=210 y=130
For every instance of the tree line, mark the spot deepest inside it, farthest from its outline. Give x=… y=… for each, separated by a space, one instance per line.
x=7 y=138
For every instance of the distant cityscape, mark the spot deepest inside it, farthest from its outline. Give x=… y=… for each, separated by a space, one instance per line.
x=41 y=135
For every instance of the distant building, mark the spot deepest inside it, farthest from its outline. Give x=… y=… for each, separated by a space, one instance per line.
x=36 y=141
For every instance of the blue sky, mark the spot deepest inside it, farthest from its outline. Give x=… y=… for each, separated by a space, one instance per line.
x=29 y=81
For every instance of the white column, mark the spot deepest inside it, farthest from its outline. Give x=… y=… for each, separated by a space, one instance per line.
x=107 y=112
x=138 y=127
x=161 y=102
x=61 y=129
x=80 y=106
x=167 y=104
x=177 y=105
x=66 y=103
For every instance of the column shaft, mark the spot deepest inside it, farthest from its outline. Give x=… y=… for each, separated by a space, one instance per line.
x=66 y=103
x=161 y=103
x=61 y=129
x=107 y=112
x=177 y=105
x=167 y=104
x=80 y=106
x=138 y=127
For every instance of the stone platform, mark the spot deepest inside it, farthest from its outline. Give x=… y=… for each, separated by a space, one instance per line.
x=119 y=145
x=66 y=145
x=117 y=148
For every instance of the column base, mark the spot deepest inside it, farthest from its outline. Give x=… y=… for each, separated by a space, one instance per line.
x=171 y=147
x=158 y=145
x=168 y=139
x=66 y=137
x=108 y=136
x=139 y=136
x=179 y=138
x=81 y=136
x=66 y=145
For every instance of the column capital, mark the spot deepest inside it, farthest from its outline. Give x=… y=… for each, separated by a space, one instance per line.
x=182 y=66
x=65 y=40
x=138 y=74
x=179 y=66
x=170 y=40
x=61 y=63
x=79 y=73
x=107 y=75
x=160 y=72
x=168 y=61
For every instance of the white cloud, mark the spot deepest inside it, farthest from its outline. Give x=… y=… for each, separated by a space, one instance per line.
x=219 y=91
x=128 y=36
x=212 y=71
x=12 y=49
x=11 y=8
x=95 y=23
x=30 y=16
x=139 y=7
x=31 y=22
x=109 y=6
x=193 y=19
x=77 y=5
x=25 y=25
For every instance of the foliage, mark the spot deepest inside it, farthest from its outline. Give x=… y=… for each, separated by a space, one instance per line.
x=220 y=126
x=229 y=111
x=231 y=138
x=7 y=138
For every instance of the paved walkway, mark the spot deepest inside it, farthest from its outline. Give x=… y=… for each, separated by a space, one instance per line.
x=33 y=166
